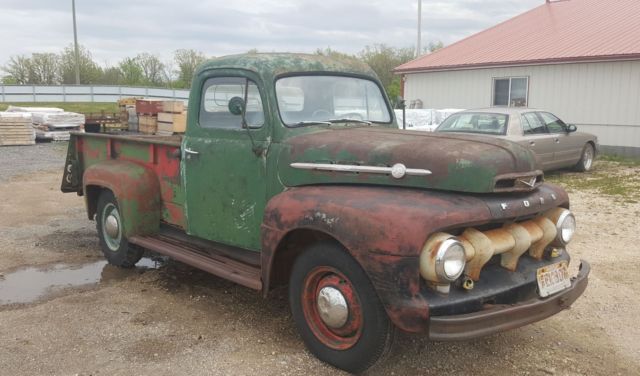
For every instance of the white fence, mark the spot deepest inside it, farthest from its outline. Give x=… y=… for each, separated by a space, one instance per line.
x=84 y=93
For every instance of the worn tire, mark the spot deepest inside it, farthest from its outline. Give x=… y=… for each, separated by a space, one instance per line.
x=116 y=248
x=366 y=336
x=586 y=158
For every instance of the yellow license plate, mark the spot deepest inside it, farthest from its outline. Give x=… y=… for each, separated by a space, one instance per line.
x=553 y=278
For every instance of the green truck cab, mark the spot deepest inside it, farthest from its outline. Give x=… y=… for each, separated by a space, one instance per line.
x=293 y=171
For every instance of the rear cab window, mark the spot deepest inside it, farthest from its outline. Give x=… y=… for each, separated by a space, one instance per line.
x=216 y=95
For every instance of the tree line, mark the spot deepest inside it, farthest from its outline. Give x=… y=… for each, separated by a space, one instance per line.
x=147 y=69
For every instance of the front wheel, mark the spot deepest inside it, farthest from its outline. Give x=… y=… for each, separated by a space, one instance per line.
x=114 y=244
x=336 y=309
x=586 y=159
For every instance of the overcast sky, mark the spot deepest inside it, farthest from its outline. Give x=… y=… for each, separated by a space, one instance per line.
x=113 y=29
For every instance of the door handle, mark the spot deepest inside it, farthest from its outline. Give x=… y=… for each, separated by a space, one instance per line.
x=532 y=143
x=192 y=152
x=557 y=140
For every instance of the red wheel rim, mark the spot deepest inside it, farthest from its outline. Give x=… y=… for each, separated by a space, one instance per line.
x=348 y=334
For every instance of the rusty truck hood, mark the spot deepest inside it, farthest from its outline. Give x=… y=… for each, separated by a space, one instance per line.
x=453 y=162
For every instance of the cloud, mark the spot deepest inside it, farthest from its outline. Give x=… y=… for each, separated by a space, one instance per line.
x=113 y=29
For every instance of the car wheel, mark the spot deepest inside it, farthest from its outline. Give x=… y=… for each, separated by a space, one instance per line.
x=586 y=159
x=114 y=244
x=336 y=309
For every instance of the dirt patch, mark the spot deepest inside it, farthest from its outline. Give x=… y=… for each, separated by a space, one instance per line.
x=176 y=320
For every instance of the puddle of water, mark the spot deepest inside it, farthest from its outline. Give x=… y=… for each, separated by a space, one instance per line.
x=29 y=284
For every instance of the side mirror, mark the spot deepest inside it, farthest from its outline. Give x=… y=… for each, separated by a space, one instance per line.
x=236 y=105
x=571 y=128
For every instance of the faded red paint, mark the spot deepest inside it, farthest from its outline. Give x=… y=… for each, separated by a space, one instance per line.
x=385 y=231
x=341 y=338
x=160 y=160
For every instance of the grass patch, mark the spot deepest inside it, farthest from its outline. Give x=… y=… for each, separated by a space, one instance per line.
x=610 y=176
x=87 y=107
x=624 y=161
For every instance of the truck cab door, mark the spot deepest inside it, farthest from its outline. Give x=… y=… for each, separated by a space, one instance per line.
x=224 y=162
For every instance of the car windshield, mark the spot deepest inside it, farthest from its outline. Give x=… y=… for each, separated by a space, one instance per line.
x=321 y=99
x=475 y=122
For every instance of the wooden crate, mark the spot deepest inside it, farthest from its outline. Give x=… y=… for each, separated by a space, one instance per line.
x=148 y=106
x=147 y=124
x=176 y=107
x=176 y=123
x=131 y=101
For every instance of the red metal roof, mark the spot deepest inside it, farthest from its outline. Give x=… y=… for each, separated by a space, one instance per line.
x=560 y=31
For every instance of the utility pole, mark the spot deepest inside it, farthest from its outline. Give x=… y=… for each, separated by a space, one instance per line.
x=419 y=44
x=75 y=41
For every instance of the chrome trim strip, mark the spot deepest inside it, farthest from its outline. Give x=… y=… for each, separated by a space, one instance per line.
x=398 y=170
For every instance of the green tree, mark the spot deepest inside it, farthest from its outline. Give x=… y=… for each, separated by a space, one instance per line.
x=18 y=70
x=152 y=69
x=432 y=46
x=44 y=69
x=187 y=62
x=383 y=59
x=130 y=72
x=90 y=71
x=111 y=76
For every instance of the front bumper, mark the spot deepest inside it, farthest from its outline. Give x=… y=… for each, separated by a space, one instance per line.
x=499 y=318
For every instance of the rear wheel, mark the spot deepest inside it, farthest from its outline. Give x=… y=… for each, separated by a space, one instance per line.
x=114 y=244
x=586 y=160
x=337 y=310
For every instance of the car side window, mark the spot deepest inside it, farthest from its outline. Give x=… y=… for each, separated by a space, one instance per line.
x=217 y=92
x=554 y=125
x=531 y=124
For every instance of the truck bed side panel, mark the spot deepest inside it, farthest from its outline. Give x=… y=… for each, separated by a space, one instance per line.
x=160 y=157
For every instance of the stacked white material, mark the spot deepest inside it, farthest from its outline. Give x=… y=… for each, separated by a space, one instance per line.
x=34 y=109
x=426 y=120
x=16 y=129
x=57 y=125
x=58 y=119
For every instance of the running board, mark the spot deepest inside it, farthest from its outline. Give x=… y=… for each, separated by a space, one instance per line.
x=218 y=265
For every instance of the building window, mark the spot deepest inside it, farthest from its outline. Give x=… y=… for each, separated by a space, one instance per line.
x=511 y=91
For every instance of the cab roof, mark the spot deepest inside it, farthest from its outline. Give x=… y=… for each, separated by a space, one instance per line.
x=271 y=65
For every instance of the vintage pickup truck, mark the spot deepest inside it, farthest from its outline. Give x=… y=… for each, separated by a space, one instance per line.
x=292 y=171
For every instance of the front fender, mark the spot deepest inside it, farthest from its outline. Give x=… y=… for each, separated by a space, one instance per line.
x=135 y=187
x=385 y=229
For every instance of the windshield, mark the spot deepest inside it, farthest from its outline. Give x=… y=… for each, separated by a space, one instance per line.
x=320 y=99
x=475 y=122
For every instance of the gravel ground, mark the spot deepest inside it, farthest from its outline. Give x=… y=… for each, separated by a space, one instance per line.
x=175 y=320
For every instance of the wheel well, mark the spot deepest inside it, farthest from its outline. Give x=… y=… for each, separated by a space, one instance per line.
x=593 y=145
x=92 y=193
x=289 y=249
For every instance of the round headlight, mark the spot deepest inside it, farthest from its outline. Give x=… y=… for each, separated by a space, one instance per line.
x=566 y=227
x=450 y=260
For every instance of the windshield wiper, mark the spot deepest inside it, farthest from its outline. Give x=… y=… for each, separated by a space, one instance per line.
x=347 y=120
x=310 y=122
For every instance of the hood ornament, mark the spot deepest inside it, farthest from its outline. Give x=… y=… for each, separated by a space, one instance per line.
x=398 y=170
x=531 y=182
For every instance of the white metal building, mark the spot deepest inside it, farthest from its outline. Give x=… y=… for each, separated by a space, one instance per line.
x=579 y=59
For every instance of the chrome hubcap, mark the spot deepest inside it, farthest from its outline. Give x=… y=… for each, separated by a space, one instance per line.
x=332 y=307
x=588 y=158
x=111 y=226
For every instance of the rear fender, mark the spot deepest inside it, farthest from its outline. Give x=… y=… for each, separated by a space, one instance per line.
x=135 y=187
